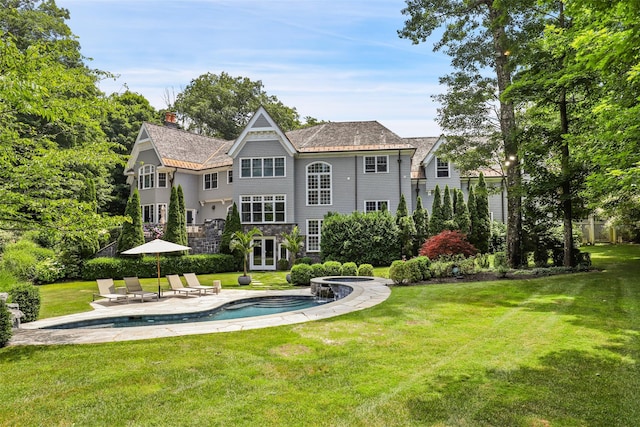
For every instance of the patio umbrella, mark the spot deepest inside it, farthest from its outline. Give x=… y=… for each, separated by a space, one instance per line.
x=157 y=247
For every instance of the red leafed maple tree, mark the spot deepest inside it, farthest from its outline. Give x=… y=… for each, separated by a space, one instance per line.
x=447 y=243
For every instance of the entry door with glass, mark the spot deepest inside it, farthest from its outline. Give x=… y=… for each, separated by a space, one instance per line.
x=263 y=256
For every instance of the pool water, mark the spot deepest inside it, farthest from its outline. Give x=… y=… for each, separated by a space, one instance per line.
x=248 y=307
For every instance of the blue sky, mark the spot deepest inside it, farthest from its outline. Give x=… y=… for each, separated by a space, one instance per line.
x=338 y=60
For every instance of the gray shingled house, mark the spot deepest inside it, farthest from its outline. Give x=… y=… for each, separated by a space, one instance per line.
x=280 y=179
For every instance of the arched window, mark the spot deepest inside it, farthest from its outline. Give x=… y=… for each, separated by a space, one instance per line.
x=319 y=184
x=146 y=175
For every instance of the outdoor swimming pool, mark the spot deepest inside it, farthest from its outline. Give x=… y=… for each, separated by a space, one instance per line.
x=248 y=307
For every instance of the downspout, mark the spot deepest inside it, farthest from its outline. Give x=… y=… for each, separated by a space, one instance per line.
x=355 y=199
x=399 y=175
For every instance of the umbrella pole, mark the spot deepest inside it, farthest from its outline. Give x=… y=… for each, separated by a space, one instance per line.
x=158 y=262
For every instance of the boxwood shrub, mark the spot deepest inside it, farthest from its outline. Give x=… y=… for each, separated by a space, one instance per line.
x=333 y=268
x=301 y=274
x=118 y=268
x=349 y=269
x=398 y=272
x=365 y=270
x=318 y=270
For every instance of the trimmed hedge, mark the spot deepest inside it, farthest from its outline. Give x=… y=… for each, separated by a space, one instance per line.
x=27 y=297
x=5 y=325
x=117 y=268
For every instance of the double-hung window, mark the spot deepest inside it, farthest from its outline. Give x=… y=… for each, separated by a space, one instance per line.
x=319 y=184
x=162 y=180
x=376 y=205
x=442 y=168
x=314 y=228
x=262 y=167
x=210 y=181
x=261 y=209
x=146 y=175
x=376 y=164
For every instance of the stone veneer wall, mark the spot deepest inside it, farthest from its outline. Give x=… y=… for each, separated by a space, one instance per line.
x=208 y=240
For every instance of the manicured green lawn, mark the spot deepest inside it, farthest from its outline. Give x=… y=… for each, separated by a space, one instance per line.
x=561 y=350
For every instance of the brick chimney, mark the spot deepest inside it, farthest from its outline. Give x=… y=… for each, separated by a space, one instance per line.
x=170 y=120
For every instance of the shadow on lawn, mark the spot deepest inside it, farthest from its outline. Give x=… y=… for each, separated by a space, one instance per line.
x=568 y=388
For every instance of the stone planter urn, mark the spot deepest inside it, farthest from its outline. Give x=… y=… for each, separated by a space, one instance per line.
x=244 y=280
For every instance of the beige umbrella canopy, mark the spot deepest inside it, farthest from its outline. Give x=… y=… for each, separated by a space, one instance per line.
x=157 y=247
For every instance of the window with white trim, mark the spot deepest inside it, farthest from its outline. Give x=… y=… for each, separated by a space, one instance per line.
x=319 y=184
x=210 y=181
x=162 y=180
x=230 y=176
x=146 y=175
x=261 y=209
x=262 y=167
x=376 y=205
x=148 y=214
x=442 y=168
x=314 y=229
x=376 y=164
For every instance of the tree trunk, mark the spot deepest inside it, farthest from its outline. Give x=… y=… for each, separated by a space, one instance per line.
x=508 y=128
x=566 y=199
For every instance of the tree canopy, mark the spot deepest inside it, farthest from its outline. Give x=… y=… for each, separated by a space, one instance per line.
x=222 y=105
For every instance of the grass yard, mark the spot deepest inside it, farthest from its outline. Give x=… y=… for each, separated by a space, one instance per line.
x=554 y=351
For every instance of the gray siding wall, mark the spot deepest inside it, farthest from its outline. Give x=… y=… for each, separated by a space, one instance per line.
x=211 y=200
x=265 y=186
x=351 y=186
x=189 y=185
x=150 y=195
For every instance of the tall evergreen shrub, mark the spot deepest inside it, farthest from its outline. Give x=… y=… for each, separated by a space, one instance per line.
x=473 y=216
x=184 y=238
x=483 y=225
x=447 y=206
x=131 y=234
x=172 y=234
x=461 y=213
x=436 y=223
x=421 y=221
x=231 y=225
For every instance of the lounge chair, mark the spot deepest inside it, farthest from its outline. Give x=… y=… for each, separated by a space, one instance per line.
x=135 y=288
x=106 y=289
x=194 y=283
x=178 y=287
x=14 y=310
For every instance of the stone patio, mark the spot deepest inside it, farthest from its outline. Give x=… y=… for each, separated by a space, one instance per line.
x=364 y=295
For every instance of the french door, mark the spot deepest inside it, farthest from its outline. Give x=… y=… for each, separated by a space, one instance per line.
x=263 y=256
